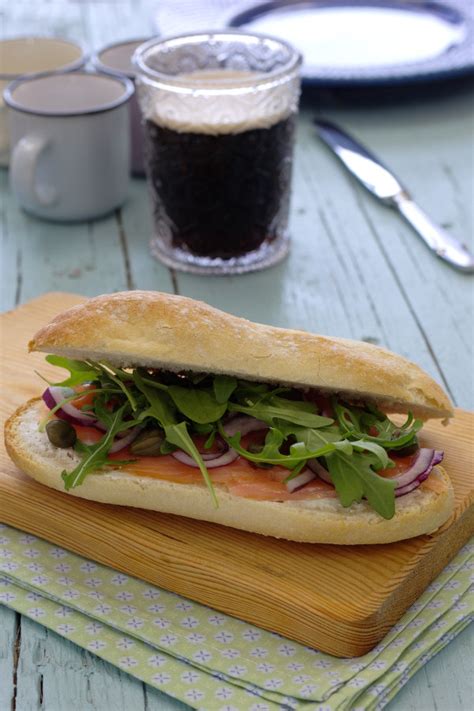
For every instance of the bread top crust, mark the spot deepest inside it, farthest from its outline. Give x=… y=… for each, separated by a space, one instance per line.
x=157 y=330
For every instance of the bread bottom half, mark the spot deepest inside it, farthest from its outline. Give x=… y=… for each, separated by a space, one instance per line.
x=311 y=521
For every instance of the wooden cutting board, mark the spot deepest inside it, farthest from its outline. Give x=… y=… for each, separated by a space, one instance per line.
x=340 y=599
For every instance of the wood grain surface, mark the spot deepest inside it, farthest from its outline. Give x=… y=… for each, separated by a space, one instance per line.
x=340 y=599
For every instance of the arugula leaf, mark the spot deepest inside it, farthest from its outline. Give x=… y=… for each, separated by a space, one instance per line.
x=274 y=407
x=294 y=472
x=199 y=406
x=271 y=448
x=344 y=446
x=203 y=429
x=210 y=440
x=378 y=451
x=355 y=422
x=107 y=416
x=223 y=386
x=247 y=389
x=354 y=478
x=96 y=454
x=197 y=378
x=270 y=454
x=348 y=419
x=87 y=371
x=179 y=435
x=160 y=407
x=167 y=448
x=80 y=372
x=348 y=484
x=148 y=379
x=118 y=377
x=312 y=438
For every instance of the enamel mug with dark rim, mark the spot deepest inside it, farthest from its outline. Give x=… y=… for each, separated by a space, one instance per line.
x=70 y=140
x=31 y=56
x=116 y=60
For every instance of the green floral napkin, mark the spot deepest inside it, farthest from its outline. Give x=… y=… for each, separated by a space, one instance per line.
x=212 y=661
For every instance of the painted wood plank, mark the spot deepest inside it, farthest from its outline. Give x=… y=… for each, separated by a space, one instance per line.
x=52 y=673
x=46 y=260
x=144 y=271
x=54 y=676
x=9 y=629
x=108 y=255
x=445 y=683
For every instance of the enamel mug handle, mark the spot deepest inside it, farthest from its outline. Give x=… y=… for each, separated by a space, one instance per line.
x=23 y=177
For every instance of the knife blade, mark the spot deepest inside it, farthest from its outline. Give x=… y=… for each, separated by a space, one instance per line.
x=384 y=185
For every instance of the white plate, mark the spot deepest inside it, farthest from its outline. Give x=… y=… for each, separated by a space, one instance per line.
x=347 y=42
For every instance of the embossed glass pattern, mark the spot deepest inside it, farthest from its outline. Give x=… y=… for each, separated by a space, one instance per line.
x=219 y=112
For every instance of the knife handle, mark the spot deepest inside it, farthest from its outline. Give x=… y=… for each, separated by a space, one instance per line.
x=441 y=242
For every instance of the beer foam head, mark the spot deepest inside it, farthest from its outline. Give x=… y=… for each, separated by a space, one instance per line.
x=217 y=84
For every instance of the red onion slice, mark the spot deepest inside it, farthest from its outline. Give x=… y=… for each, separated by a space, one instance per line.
x=317 y=467
x=220 y=460
x=55 y=394
x=421 y=468
x=127 y=438
x=243 y=424
x=401 y=491
x=303 y=478
x=406 y=482
x=209 y=456
x=436 y=458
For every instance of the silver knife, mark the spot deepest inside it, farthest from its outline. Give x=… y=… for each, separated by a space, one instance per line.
x=382 y=183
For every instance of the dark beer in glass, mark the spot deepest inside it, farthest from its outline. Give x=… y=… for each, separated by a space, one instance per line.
x=219 y=114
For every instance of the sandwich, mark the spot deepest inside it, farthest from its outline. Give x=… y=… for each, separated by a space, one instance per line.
x=171 y=405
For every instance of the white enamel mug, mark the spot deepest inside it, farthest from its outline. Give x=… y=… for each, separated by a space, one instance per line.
x=70 y=141
x=116 y=59
x=22 y=56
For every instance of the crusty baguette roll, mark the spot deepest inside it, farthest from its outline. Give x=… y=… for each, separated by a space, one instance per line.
x=318 y=520
x=146 y=328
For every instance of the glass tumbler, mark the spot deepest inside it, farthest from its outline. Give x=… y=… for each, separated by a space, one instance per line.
x=219 y=111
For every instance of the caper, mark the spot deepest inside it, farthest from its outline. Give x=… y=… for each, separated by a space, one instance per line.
x=61 y=434
x=148 y=444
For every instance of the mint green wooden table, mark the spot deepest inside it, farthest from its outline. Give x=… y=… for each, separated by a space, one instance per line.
x=355 y=270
